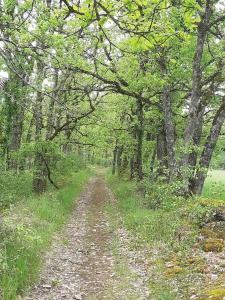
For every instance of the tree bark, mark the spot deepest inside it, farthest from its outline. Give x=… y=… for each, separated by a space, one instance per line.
x=196 y=90
x=119 y=159
x=51 y=111
x=67 y=146
x=168 y=124
x=16 y=136
x=132 y=168
x=209 y=147
x=193 y=157
x=152 y=162
x=114 y=160
x=162 y=154
x=16 y=111
x=139 y=137
x=39 y=180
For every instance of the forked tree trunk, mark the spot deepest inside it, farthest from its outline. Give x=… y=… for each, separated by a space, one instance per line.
x=196 y=92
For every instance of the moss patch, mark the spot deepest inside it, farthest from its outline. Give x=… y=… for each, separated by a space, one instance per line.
x=213 y=245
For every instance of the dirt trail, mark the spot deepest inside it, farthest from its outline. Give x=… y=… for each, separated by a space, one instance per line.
x=80 y=264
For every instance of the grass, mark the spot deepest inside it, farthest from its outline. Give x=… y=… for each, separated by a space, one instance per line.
x=214 y=187
x=27 y=230
x=168 y=225
x=151 y=225
x=156 y=229
x=14 y=187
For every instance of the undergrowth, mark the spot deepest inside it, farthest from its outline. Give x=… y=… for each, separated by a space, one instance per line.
x=167 y=224
x=27 y=229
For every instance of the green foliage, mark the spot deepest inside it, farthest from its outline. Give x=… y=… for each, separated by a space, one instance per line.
x=201 y=210
x=159 y=194
x=15 y=187
x=69 y=163
x=169 y=230
x=162 y=225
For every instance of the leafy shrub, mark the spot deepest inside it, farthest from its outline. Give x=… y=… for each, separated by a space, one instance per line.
x=201 y=210
x=69 y=164
x=14 y=187
x=160 y=195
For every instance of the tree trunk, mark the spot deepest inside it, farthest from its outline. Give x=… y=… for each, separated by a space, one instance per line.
x=193 y=157
x=67 y=146
x=119 y=159
x=16 y=136
x=29 y=133
x=125 y=163
x=196 y=91
x=51 y=111
x=152 y=162
x=39 y=180
x=16 y=111
x=162 y=154
x=208 y=150
x=168 y=124
x=114 y=160
x=139 y=137
x=132 y=168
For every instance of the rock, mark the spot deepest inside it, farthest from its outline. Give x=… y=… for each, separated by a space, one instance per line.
x=170 y=264
x=214 y=230
x=214 y=276
x=213 y=245
x=78 y=297
x=219 y=214
x=46 y=286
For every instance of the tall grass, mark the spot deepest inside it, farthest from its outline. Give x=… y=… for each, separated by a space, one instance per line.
x=214 y=187
x=27 y=230
x=156 y=229
x=160 y=225
x=166 y=224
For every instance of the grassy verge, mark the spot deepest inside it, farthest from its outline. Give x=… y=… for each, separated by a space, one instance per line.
x=26 y=231
x=214 y=187
x=170 y=231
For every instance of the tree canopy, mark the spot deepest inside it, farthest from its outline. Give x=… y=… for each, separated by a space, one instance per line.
x=139 y=82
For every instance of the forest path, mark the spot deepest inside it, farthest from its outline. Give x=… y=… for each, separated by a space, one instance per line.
x=80 y=264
